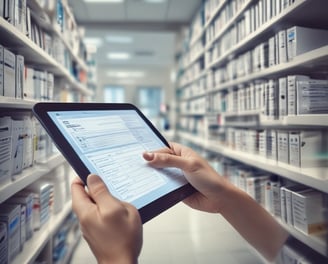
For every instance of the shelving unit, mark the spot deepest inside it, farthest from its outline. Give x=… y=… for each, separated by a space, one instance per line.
x=29 y=176
x=201 y=65
x=65 y=77
x=33 y=247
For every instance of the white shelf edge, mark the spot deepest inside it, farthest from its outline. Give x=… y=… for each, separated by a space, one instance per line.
x=315 y=242
x=297 y=120
x=28 y=176
x=9 y=102
x=35 y=244
x=314 y=177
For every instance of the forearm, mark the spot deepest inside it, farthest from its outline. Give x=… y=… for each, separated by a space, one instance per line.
x=253 y=222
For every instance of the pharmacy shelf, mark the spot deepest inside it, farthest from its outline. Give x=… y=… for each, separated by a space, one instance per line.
x=214 y=14
x=315 y=59
x=316 y=242
x=248 y=42
x=194 y=59
x=28 y=176
x=196 y=78
x=21 y=44
x=43 y=20
x=33 y=246
x=229 y=24
x=34 y=55
x=313 y=177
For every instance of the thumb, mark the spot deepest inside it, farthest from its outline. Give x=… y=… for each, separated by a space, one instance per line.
x=98 y=190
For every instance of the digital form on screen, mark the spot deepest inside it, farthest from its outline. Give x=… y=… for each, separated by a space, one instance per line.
x=110 y=144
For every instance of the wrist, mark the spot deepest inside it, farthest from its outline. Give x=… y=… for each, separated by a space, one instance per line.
x=120 y=260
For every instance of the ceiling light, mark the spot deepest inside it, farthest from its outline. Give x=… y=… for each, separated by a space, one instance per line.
x=104 y=1
x=155 y=1
x=93 y=41
x=125 y=74
x=118 y=56
x=119 y=39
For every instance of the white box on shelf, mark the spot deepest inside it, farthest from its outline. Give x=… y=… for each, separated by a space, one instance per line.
x=272 y=145
x=19 y=14
x=9 y=72
x=1 y=71
x=10 y=214
x=306 y=148
x=272 y=53
x=302 y=39
x=9 y=8
x=6 y=149
x=28 y=142
x=307 y=211
x=17 y=146
x=25 y=198
x=312 y=97
x=283 y=146
x=276 y=203
x=263 y=143
x=283 y=204
x=289 y=201
x=282 y=48
x=1 y=11
x=28 y=92
x=3 y=242
x=292 y=90
x=282 y=102
x=41 y=202
x=19 y=76
x=255 y=187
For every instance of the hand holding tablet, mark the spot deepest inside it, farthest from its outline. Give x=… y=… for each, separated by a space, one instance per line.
x=108 y=140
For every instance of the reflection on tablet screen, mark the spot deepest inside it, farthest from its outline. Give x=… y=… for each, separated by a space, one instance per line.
x=110 y=144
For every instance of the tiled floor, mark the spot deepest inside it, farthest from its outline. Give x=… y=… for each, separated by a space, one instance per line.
x=184 y=236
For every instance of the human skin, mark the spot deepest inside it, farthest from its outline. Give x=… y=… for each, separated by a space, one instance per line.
x=113 y=228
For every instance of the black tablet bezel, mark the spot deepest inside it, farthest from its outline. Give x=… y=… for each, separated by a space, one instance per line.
x=41 y=110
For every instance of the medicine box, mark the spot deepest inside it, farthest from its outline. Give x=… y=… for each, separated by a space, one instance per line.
x=305 y=148
x=10 y=214
x=307 y=211
x=302 y=39
x=3 y=243
x=25 y=198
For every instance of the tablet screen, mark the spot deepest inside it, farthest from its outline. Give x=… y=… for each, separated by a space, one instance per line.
x=110 y=144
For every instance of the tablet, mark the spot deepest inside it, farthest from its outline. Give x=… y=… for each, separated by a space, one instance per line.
x=108 y=140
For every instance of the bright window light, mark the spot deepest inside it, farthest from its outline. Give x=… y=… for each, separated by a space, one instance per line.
x=119 y=39
x=118 y=56
x=104 y=1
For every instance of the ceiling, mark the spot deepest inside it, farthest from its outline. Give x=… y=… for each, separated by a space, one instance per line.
x=145 y=31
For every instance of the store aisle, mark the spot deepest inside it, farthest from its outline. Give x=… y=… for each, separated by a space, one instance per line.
x=185 y=236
